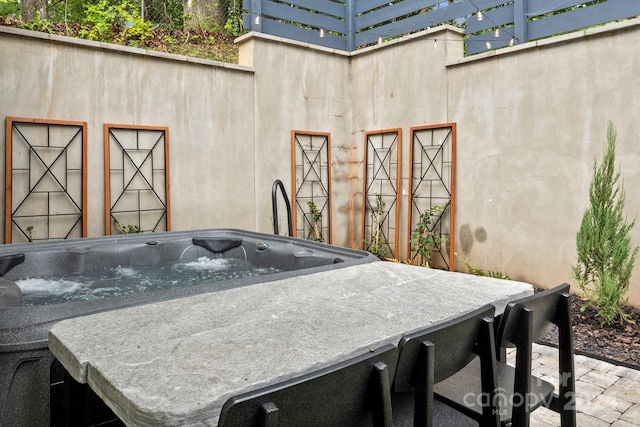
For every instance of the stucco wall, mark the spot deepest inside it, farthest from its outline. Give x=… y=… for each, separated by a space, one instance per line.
x=298 y=87
x=531 y=120
x=303 y=87
x=401 y=85
x=203 y=103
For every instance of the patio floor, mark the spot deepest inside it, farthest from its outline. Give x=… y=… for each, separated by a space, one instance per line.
x=606 y=394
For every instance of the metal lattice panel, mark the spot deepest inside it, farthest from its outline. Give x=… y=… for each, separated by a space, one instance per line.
x=432 y=174
x=137 y=178
x=381 y=192
x=45 y=195
x=311 y=153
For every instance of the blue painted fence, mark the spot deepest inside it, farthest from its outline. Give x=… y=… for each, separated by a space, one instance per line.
x=490 y=24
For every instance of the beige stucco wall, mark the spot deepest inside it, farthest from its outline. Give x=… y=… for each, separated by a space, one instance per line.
x=307 y=88
x=298 y=87
x=530 y=122
x=203 y=103
x=401 y=85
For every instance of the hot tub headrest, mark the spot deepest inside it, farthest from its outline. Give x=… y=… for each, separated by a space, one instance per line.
x=10 y=294
x=7 y=262
x=217 y=244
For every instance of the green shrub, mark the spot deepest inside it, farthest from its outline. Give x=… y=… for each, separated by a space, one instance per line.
x=137 y=29
x=315 y=233
x=38 y=24
x=10 y=8
x=102 y=17
x=424 y=239
x=605 y=256
x=377 y=245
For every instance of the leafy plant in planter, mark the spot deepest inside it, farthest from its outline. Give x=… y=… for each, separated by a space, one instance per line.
x=316 y=229
x=376 y=246
x=605 y=254
x=424 y=240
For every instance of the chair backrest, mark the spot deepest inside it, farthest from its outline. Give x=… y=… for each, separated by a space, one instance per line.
x=526 y=320
x=455 y=343
x=431 y=355
x=548 y=308
x=344 y=394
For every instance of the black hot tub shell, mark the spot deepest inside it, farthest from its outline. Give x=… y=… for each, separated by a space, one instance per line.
x=25 y=360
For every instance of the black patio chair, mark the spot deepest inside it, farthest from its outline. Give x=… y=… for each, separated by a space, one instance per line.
x=523 y=322
x=356 y=392
x=433 y=354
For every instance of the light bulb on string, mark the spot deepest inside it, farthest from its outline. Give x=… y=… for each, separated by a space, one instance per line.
x=435 y=43
x=380 y=40
x=257 y=20
x=479 y=16
x=497 y=33
x=512 y=41
x=488 y=45
x=321 y=32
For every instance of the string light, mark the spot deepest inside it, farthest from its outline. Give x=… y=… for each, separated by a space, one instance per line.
x=496 y=34
x=479 y=16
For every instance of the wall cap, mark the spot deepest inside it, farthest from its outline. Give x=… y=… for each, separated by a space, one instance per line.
x=117 y=48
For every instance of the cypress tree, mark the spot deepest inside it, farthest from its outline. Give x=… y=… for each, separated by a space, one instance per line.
x=605 y=254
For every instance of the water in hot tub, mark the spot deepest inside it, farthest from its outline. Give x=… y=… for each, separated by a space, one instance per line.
x=121 y=281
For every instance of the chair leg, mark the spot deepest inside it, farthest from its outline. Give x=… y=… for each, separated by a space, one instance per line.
x=487 y=351
x=381 y=411
x=522 y=383
x=567 y=387
x=423 y=407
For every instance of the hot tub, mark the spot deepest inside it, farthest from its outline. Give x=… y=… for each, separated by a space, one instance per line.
x=121 y=266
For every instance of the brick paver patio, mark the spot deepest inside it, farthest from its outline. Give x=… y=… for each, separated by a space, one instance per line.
x=607 y=395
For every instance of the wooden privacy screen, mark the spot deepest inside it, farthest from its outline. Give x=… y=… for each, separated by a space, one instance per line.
x=45 y=179
x=432 y=170
x=136 y=176
x=311 y=180
x=381 y=192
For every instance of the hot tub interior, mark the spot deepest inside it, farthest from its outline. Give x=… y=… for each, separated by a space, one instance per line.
x=44 y=282
x=55 y=274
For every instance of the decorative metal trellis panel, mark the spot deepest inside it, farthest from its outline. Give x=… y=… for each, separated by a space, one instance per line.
x=311 y=178
x=136 y=178
x=432 y=169
x=381 y=193
x=45 y=180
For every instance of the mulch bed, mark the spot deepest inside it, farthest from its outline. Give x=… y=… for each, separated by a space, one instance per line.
x=618 y=343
